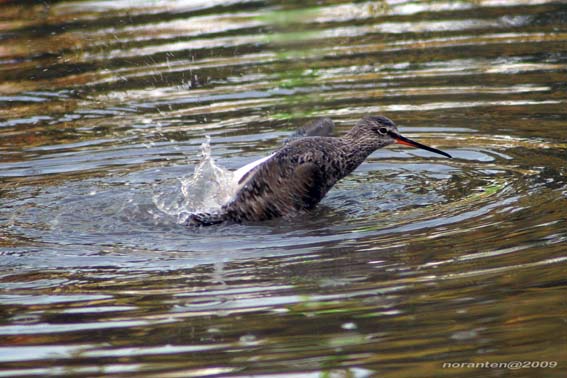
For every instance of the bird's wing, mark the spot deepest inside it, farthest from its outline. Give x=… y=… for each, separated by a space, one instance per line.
x=317 y=127
x=244 y=173
x=277 y=188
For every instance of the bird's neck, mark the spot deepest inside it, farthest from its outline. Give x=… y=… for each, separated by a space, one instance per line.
x=356 y=150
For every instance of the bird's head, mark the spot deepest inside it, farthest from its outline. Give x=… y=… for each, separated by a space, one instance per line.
x=379 y=131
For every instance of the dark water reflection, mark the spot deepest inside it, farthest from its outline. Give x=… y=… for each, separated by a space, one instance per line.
x=411 y=262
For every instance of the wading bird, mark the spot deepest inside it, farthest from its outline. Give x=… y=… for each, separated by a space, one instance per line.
x=296 y=177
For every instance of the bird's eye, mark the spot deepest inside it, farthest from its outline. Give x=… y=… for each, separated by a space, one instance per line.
x=382 y=130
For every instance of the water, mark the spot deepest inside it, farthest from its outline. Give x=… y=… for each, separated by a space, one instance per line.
x=411 y=262
x=205 y=191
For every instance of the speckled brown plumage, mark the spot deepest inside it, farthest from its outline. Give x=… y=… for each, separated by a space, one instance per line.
x=301 y=173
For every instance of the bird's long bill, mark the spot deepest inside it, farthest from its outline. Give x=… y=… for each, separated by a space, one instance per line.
x=408 y=142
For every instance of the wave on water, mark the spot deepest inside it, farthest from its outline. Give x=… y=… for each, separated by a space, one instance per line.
x=206 y=190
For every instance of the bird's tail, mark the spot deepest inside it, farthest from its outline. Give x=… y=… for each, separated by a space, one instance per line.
x=205 y=219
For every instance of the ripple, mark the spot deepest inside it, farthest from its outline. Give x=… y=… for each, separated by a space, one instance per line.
x=382 y=198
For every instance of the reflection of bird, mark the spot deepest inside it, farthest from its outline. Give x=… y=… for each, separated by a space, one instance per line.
x=298 y=175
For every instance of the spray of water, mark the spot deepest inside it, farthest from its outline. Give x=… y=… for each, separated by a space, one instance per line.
x=210 y=187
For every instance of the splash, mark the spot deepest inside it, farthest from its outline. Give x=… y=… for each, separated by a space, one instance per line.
x=210 y=187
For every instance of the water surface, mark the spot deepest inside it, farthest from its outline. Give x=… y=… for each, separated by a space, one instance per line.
x=411 y=262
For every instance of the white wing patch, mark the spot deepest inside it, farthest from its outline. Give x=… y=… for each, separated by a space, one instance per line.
x=241 y=172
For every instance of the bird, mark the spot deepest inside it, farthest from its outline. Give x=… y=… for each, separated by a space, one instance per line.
x=296 y=177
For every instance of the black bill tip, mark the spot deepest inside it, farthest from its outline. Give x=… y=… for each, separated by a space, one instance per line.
x=408 y=142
